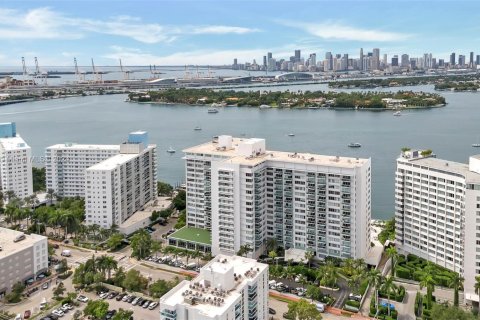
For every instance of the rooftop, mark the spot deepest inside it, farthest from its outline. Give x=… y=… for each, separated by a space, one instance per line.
x=8 y=246
x=446 y=166
x=230 y=273
x=113 y=162
x=233 y=156
x=193 y=235
x=13 y=143
x=75 y=146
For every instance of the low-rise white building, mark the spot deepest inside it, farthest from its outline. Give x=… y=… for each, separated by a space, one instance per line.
x=246 y=195
x=15 y=162
x=227 y=288
x=437 y=213
x=118 y=187
x=21 y=257
x=66 y=163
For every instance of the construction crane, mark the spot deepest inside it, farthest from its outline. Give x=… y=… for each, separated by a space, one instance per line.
x=39 y=74
x=24 y=68
x=77 y=74
x=126 y=73
x=97 y=77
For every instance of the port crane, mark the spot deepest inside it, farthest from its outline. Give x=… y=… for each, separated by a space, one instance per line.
x=97 y=77
x=24 y=69
x=80 y=76
x=39 y=74
x=126 y=73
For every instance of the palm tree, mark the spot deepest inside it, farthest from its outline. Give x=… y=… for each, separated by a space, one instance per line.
x=156 y=247
x=271 y=244
x=9 y=195
x=109 y=263
x=388 y=286
x=427 y=281
x=456 y=282
x=309 y=255
x=244 y=250
x=348 y=266
x=68 y=219
x=477 y=285
x=51 y=195
x=303 y=280
x=54 y=219
x=375 y=278
x=393 y=255
x=272 y=255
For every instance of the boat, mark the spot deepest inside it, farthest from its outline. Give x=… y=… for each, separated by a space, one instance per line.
x=264 y=106
x=397 y=113
x=291 y=135
x=217 y=105
x=476 y=145
x=197 y=128
x=171 y=150
x=212 y=110
x=354 y=145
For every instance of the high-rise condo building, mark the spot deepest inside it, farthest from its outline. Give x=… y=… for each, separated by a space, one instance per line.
x=471 y=61
x=121 y=185
x=22 y=257
x=405 y=63
x=452 y=59
x=437 y=215
x=15 y=162
x=66 y=165
x=361 y=64
x=246 y=195
x=297 y=55
x=227 y=288
x=461 y=60
x=376 y=59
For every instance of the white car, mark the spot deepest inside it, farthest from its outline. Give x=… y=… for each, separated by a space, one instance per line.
x=58 y=312
x=82 y=298
x=153 y=305
x=103 y=295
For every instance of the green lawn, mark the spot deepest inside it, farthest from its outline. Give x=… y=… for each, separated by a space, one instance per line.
x=193 y=235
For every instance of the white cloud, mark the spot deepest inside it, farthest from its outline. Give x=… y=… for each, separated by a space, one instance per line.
x=134 y=56
x=334 y=30
x=44 y=23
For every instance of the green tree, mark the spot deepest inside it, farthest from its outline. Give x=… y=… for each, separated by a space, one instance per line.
x=119 y=277
x=244 y=250
x=96 y=308
x=445 y=312
x=393 y=255
x=134 y=281
x=123 y=314
x=59 y=290
x=160 y=287
x=39 y=180
x=16 y=294
x=272 y=255
x=182 y=219
x=456 y=282
x=427 y=281
x=179 y=202
x=51 y=195
x=115 y=240
x=141 y=244
x=375 y=279
x=388 y=287
x=309 y=255
x=164 y=189
x=303 y=310
x=156 y=247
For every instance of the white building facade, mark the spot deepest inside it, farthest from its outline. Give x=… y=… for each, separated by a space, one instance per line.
x=437 y=213
x=15 y=162
x=303 y=201
x=21 y=258
x=66 y=165
x=227 y=288
x=121 y=185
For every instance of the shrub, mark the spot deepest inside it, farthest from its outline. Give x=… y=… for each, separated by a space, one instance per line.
x=353 y=303
x=65 y=275
x=402 y=272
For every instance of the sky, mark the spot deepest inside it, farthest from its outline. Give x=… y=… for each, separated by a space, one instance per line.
x=215 y=32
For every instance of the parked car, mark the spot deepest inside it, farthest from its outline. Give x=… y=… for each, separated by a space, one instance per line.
x=82 y=298
x=53 y=317
x=287 y=316
x=271 y=311
x=27 y=314
x=45 y=286
x=120 y=296
x=153 y=305
x=146 y=303
x=55 y=246
x=58 y=312
x=126 y=297
x=131 y=299
x=320 y=306
x=135 y=300
x=110 y=314
x=103 y=295
x=355 y=297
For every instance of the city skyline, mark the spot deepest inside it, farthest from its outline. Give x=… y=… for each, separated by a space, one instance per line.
x=214 y=33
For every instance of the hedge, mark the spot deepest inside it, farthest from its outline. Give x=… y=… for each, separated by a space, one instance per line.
x=353 y=303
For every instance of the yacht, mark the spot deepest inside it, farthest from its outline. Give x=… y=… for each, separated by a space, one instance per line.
x=354 y=145
x=171 y=150
x=212 y=110
x=265 y=106
x=291 y=135
x=397 y=113
x=197 y=128
x=476 y=145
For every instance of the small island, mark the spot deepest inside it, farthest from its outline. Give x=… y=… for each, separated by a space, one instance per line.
x=467 y=82
x=293 y=99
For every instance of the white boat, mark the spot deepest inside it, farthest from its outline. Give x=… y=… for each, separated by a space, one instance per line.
x=216 y=105
x=264 y=106
x=354 y=145
x=476 y=145
x=197 y=128
x=397 y=113
x=291 y=135
x=171 y=150
x=212 y=110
